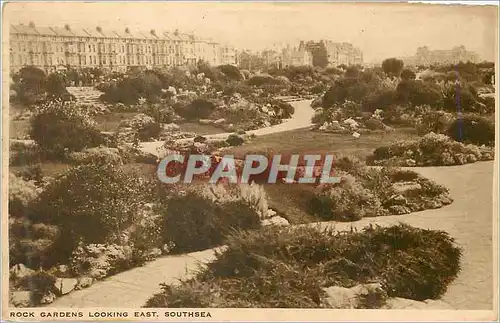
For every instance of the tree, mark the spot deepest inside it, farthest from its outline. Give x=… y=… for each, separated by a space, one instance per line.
x=408 y=74
x=31 y=84
x=392 y=67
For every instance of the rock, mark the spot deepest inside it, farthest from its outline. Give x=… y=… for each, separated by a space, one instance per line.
x=398 y=199
x=270 y=213
x=20 y=271
x=351 y=122
x=20 y=299
x=48 y=298
x=220 y=121
x=171 y=127
x=401 y=187
x=356 y=135
x=275 y=220
x=348 y=298
x=154 y=253
x=65 y=285
x=84 y=282
x=403 y=303
x=205 y=121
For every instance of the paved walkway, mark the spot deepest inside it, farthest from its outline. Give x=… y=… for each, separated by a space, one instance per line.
x=468 y=220
x=300 y=119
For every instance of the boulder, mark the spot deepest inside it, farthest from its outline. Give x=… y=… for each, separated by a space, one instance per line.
x=20 y=299
x=270 y=213
x=220 y=121
x=205 y=121
x=398 y=303
x=48 y=298
x=348 y=298
x=65 y=285
x=275 y=220
x=398 y=199
x=356 y=135
x=401 y=187
x=20 y=271
x=84 y=282
x=351 y=122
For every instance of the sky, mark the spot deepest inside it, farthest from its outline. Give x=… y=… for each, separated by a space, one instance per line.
x=380 y=30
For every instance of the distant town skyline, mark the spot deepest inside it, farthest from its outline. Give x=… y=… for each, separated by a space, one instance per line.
x=379 y=30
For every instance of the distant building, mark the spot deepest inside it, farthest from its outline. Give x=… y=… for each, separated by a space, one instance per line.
x=297 y=56
x=425 y=56
x=59 y=48
x=329 y=53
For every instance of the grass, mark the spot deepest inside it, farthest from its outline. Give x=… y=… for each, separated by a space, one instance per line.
x=304 y=141
x=291 y=201
x=200 y=129
x=110 y=122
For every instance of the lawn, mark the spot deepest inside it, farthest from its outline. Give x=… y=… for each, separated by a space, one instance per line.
x=305 y=141
x=291 y=200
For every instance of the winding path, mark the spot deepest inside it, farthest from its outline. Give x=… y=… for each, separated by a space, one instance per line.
x=300 y=119
x=468 y=219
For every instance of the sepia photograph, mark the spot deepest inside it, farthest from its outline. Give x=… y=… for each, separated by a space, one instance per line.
x=164 y=161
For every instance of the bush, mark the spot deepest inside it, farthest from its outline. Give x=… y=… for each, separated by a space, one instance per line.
x=473 y=129
x=21 y=194
x=198 y=109
x=231 y=72
x=460 y=98
x=92 y=203
x=417 y=93
x=193 y=222
x=39 y=284
x=60 y=127
x=99 y=260
x=433 y=121
x=288 y=267
x=30 y=85
x=260 y=80
x=235 y=140
x=431 y=150
x=347 y=201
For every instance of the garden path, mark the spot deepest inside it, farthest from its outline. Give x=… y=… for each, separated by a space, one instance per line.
x=300 y=119
x=468 y=219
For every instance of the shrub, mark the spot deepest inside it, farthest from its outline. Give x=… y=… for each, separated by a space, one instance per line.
x=98 y=155
x=198 y=109
x=100 y=260
x=346 y=201
x=431 y=150
x=231 y=72
x=260 y=80
x=473 y=129
x=235 y=140
x=30 y=85
x=39 y=284
x=21 y=194
x=433 y=121
x=460 y=98
x=61 y=127
x=417 y=93
x=92 y=203
x=288 y=267
x=193 y=222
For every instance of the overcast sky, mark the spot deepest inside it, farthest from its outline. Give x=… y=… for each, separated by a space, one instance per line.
x=379 y=30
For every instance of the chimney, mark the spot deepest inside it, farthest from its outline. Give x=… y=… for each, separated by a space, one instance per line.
x=32 y=24
x=67 y=27
x=176 y=32
x=153 y=32
x=98 y=28
x=127 y=30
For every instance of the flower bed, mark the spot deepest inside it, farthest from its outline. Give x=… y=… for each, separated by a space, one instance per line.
x=431 y=150
x=369 y=192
